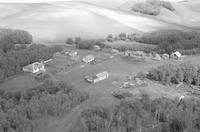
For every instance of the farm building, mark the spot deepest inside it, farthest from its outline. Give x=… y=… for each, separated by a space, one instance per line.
x=98 y=77
x=36 y=67
x=165 y=56
x=176 y=55
x=128 y=53
x=88 y=59
x=72 y=53
x=135 y=53
x=156 y=57
x=96 y=47
x=139 y=53
x=57 y=54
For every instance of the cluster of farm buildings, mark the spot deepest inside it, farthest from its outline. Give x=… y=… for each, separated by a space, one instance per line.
x=39 y=67
x=154 y=56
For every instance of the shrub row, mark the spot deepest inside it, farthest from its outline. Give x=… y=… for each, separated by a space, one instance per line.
x=123 y=37
x=89 y=44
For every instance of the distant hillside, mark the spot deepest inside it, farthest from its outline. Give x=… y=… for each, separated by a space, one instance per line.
x=55 y=21
x=186 y=12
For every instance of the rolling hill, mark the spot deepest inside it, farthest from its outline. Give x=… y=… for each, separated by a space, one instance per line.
x=55 y=21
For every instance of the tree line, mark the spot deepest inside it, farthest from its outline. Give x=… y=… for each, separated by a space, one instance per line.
x=170 y=40
x=86 y=43
x=152 y=7
x=142 y=115
x=20 y=111
x=176 y=74
x=10 y=37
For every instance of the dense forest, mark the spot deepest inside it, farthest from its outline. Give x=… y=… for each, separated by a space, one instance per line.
x=10 y=37
x=169 y=41
x=142 y=115
x=11 y=60
x=176 y=74
x=20 y=111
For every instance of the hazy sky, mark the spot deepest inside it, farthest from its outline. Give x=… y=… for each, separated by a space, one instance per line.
x=37 y=1
x=32 y=1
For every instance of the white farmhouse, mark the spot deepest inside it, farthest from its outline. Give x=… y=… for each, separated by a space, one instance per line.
x=35 y=67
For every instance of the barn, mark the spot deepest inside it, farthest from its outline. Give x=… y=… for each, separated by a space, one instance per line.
x=98 y=77
x=35 y=67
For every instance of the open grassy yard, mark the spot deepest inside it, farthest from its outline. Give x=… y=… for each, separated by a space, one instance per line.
x=19 y=82
x=132 y=45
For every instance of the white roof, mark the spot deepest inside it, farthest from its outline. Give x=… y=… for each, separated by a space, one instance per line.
x=105 y=73
x=88 y=58
x=178 y=54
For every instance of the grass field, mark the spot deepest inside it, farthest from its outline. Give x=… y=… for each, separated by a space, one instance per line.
x=132 y=45
x=20 y=82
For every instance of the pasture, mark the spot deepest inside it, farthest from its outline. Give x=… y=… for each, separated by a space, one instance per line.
x=131 y=45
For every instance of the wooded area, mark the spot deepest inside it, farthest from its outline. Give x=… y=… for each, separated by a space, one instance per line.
x=142 y=115
x=12 y=61
x=21 y=110
x=169 y=41
x=176 y=74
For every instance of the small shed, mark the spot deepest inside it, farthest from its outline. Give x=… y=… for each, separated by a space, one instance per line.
x=128 y=53
x=176 y=55
x=96 y=47
x=73 y=53
x=157 y=57
x=57 y=54
x=88 y=58
x=165 y=56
